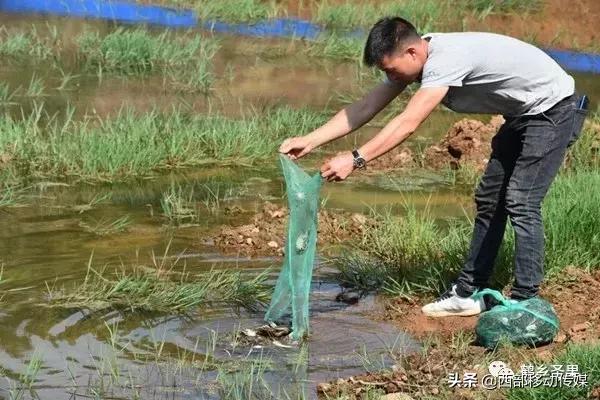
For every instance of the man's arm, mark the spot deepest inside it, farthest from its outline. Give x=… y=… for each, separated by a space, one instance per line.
x=345 y=121
x=395 y=132
x=356 y=114
x=401 y=127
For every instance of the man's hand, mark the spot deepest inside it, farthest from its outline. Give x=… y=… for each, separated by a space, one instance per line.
x=296 y=147
x=338 y=168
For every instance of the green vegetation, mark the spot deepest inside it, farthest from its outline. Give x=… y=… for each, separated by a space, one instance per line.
x=25 y=380
x=187 y=60
x=6 y=96
x=35 y=88
x=572 y=223
x=339 y=18
x=504 y=6
x=1 y=284
x=426 y=15
x=405 y=255
x=585 y=153
x=20 y=46
x=337 y=47
x=104 y=227
x=414 y=254
x=160 y=290
x=178 y=207
x=236 y=10
x=131 y=144
x=586 y=357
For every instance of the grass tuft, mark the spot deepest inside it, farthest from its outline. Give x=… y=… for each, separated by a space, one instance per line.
x=415 y=254
x=426 y=15
x=504 y=6
x=186 y=60
x=587 y=359
x=161 y=290
x=104 y=227
x=137 y=144
x=178 y=207
x=236 y=10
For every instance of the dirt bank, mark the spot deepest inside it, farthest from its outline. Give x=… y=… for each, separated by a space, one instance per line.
x=264 y=234
x=467 y=142
x=400 y=157
x=564 y=24
x=448 y=349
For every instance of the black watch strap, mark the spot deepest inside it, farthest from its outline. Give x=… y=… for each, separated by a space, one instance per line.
x=359 y=161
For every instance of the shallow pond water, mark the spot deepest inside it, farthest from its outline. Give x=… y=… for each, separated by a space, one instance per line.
x=44 y=243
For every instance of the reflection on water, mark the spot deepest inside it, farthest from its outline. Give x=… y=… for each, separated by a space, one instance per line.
x=43 y=244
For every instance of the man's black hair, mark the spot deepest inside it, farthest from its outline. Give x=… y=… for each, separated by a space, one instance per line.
x=386 y=36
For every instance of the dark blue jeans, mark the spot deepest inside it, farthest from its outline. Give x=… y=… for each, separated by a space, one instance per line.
x=527 y=153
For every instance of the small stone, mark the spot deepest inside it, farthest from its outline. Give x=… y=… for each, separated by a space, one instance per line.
x=277 y=214
x=391 y=387
x=560 y=338
x=249 y=241
x=323 y=387
x=359 y=218
x=435 y=390
x=273 y=244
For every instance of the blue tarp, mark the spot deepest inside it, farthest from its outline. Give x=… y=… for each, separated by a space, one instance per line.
x=111 y=10
x=130 y=12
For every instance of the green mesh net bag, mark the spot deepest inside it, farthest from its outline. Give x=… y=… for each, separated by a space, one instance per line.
x=293 y=284
x=529 y=322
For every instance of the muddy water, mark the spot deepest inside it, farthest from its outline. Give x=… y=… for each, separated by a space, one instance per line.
x=43 y=242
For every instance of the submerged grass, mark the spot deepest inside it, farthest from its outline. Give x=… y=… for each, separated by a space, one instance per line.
x=137 y=144
x=160 y=290
x=24 y=385
x=104 y=227
x=179 y=207
x=185 y=60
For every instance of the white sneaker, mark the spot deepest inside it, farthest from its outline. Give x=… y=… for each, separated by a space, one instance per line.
x=450 y=303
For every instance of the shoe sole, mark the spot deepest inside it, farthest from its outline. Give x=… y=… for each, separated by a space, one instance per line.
x=466 y=313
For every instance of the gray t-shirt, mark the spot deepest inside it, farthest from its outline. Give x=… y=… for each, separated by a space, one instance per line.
x=494 y=74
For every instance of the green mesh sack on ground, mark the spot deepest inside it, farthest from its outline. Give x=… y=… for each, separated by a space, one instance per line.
x=293 y=284
x=529 y=322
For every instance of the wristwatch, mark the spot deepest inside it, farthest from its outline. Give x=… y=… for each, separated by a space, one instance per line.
x=359 y=161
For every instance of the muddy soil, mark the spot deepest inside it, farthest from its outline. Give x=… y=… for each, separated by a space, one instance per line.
x=264 y=235
x=573 y=295
x=400 y=157
x=468 y=142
